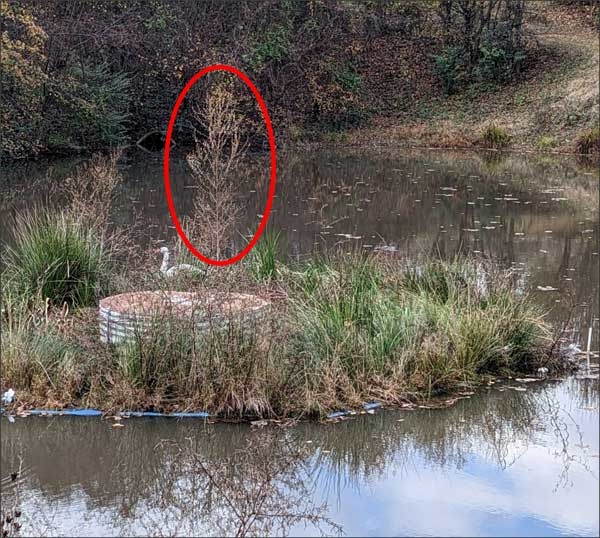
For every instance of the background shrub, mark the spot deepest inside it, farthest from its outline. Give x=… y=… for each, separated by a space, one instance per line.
x=495 y=137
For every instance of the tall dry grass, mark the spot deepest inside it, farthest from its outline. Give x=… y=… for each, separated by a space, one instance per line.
x=92 y=189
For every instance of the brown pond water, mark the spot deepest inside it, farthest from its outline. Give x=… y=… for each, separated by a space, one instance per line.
x=502 y=462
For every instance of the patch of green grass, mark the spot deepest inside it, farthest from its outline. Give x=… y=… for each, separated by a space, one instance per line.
x=495 y=137
x=263 y=258
x=546 y=142
x=351 y=328
x=34 y=354
x=228 y=368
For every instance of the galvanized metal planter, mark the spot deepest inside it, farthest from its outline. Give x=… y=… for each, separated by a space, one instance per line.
x=124 y=316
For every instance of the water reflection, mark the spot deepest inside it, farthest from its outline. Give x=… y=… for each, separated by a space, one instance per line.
x=503 y=461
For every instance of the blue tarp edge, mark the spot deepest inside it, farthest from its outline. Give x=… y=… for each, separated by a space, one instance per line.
x=98 y=413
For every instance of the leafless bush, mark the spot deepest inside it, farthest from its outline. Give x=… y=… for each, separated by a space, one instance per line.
x=215 y=159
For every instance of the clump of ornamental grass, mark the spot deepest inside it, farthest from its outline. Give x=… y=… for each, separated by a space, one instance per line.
x=368 y=334
x=494 y=136
x=588 y=142
x=66 y=256
x=55 y=257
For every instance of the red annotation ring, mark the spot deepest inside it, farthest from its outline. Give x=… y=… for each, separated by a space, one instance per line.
x=265 y=113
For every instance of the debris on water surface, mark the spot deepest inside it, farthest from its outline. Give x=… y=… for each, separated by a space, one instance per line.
x=349 y=236
x=387 y=248
x=258 y=423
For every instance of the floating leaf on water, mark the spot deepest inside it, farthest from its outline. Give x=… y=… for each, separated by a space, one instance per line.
x=349 y=236
x=258 y=423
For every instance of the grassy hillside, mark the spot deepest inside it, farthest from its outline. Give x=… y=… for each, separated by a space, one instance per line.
x=549 y=108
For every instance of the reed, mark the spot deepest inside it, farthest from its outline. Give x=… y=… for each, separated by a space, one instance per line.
x=263 y=257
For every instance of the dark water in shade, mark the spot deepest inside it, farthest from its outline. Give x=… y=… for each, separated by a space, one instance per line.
x=502 y=462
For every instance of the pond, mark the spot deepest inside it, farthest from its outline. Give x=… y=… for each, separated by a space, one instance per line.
x=501 y=462
x=512 y=459
x=536 y=215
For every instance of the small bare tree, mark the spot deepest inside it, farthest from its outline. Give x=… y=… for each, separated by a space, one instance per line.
x=92 y=189
x=217 y=155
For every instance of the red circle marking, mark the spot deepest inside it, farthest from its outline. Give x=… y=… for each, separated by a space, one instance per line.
x=272 y=149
